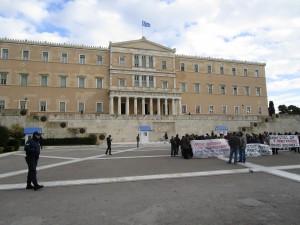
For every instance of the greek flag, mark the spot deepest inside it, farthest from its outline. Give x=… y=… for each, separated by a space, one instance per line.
x=145 y=24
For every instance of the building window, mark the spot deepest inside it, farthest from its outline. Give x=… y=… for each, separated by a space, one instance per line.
x=44 y=80
x=181 y=66
x=248 y=110
x=209 y=69
x=151 y=62
x=260 y=111
x=122 y=82
x=144 y=81
x=24 y=79
x=236 y=110
x=2 y=105
x=122 y=61
x=43 y=106
x=164 y=84
x=233 y=71
x=99 y=82
x=144 y=61
x=25 y=55
x=164 y=65
x=151 y=81
x=99 y=107
x=197 y=109
x=23 y=104
x=197 y=88
x=136 y=80
x=256 y=73
x=82 y=59
x=258 y=91
x=62 y=106
x=64 y=57
x=245 y=72
x=81 y=107
x=196 y=68
x=184 y=109
x=183 y=87
x=211 y=109
x=247 y=90
x=63 y=81
x=210 y=88
x=136 y=61
x=3 y=78
x=224 y=109
x=223 y=89
x=221 y=70
x=235 y=90
x=81 y=82
x=4 y=53
x=99 y=60
x=45 y=56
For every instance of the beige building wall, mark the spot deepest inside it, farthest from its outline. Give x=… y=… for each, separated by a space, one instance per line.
x=184 y=91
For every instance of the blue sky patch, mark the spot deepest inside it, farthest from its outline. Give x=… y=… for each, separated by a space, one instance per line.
x=50 y=28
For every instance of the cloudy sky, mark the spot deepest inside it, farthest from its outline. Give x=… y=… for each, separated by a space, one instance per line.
x=253 y=30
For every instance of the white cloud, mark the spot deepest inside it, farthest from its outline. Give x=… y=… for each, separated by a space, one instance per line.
x=263 y=31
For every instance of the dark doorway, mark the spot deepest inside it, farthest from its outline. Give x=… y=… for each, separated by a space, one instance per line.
x=123 y=108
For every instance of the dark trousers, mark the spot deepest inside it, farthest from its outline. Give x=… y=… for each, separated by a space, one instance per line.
x=108 y=149
x=32 y=164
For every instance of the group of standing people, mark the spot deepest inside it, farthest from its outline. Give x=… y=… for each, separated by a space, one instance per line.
x=237 y=143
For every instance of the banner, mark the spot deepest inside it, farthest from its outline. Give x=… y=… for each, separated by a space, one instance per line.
x=254 y=150
x=210 y=148
x=284 y=141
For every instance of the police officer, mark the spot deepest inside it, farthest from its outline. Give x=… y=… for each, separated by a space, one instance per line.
x=108 y=141
x=32 y=149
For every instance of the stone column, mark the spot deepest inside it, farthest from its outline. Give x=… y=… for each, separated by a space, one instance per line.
x=179 y=107
x=173 y=107
x=135 y=105
x=158 y=106
x=143 y=106
x=166 y=106
x=151 y=106
x=119 y=105
x=127 y=105
x=111 y=105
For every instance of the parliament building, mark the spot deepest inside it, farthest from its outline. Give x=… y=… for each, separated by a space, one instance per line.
x=137 y=77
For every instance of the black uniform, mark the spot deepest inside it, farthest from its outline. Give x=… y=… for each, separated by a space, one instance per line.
x=108 y=140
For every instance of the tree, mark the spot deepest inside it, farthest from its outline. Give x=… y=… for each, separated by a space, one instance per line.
x=293 y=110
x=271 y=108
x=4 y=136
x=282 y=109
x=16 y=131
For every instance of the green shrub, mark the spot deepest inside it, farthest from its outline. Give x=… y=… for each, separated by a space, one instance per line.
x=14 y=142
x=91 y=140
x=9 y=149
x=4 y=136
x=1 y=150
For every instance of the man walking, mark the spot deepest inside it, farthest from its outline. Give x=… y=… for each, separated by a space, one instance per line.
x=234 y=143
x=137 y=140
x=32 y=149
x=108 y=140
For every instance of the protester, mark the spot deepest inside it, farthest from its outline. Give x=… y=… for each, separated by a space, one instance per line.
x=173 y=146
x=242 y=149
x=234 y=143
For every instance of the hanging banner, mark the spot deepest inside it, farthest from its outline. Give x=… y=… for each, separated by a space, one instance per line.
x=284 y=141
x=210 y=148
x=254 y=150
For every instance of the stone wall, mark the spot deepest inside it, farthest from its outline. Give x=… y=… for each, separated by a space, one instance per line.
x=124 y=128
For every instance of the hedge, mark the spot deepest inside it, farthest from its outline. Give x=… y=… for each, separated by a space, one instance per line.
x=91 y=140
x=15 y=143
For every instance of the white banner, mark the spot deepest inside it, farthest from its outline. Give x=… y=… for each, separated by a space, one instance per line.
x=254 y=150
x=284 y=141
x=210 y=148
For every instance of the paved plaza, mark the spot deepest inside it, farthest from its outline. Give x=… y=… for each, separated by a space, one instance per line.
x=146 y=186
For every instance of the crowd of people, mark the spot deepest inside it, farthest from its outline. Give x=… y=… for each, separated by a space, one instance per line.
x=236 y=140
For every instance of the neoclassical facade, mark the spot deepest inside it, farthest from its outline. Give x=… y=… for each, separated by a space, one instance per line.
x=136 y=77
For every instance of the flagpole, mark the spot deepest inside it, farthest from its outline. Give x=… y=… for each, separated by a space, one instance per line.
x=142 y=29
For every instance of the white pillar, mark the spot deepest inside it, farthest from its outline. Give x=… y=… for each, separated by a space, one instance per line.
x=173 y=107
x=135 y=105
x=111 y=105
x=143 y=106
x=158 y=106
x=127 y=105
x=119 y=105
x=151 y=106
x=166 y=106
x=179 y=107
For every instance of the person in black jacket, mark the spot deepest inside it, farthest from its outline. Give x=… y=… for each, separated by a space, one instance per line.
x=108 y=141
x=32 y=149
x=234 y=143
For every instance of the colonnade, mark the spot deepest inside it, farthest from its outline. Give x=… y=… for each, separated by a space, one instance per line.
x=165 y=102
